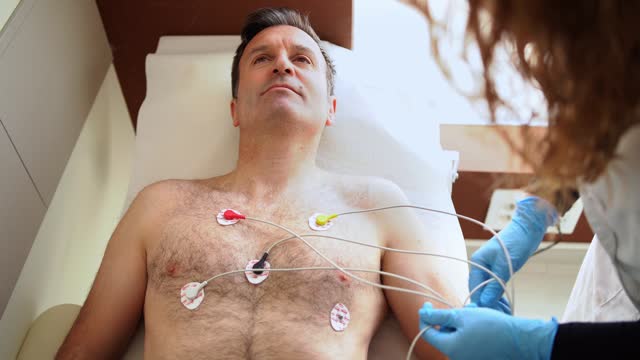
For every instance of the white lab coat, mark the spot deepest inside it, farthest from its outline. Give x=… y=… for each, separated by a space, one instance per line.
x=608 y=285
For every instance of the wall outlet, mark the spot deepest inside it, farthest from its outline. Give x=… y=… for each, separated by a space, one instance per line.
x=503 y=206
x=569 y=220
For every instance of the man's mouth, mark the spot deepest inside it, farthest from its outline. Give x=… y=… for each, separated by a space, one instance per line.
x=281 y=86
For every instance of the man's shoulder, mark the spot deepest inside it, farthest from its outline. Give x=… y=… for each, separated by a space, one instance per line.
x=165 y=195
x=378 y=191
x=160 y=190
x=157 y=203
x=171 y=187
x=385 y=192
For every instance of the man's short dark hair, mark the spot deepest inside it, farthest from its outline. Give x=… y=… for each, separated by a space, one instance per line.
x=268 y=17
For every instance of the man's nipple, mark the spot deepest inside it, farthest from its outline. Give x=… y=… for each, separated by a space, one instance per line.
x=344 y=278
x=172 y=268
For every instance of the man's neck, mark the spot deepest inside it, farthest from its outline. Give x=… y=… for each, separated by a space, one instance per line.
x=270 y=167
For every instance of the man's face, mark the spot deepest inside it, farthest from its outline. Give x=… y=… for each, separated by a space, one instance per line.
x=282 y=74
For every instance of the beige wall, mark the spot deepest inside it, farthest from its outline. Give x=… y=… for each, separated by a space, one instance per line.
x=6 y=9
x=84 y=211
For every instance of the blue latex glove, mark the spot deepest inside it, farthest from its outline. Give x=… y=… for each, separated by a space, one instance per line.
x=479 y=333
x=503 y=305
x=522 y=236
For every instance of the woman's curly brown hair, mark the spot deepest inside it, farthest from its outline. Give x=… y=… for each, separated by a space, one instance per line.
x=585 y=58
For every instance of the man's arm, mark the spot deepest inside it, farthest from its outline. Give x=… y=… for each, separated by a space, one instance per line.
x=113 y=308
x=404 y=229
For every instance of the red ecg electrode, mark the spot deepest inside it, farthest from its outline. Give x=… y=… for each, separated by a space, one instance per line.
x=232 y=215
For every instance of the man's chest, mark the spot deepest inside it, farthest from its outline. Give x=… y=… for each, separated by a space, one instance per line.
x=194 y=247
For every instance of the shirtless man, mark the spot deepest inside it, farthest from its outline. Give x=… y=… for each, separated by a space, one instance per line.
x=169 y=236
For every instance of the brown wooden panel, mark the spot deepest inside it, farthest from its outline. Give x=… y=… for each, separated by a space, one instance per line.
x=472 y=194
x=134 y=27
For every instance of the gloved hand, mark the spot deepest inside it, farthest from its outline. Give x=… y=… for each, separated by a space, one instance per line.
x=503 y=305
x=479 y=333
x=521 y=237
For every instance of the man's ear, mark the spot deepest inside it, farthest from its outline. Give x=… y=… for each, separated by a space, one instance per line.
x=332 y=111
x=236 y=123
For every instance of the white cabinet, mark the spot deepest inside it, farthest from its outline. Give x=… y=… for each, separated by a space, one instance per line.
x=21 y=211
x=52 y=62
x=53 y=58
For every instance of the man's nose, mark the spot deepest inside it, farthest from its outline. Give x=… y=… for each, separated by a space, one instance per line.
x=283 y=66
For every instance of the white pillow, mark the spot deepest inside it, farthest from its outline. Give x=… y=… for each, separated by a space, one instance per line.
x=184 y=128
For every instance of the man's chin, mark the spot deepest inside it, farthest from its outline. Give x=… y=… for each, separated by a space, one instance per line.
x=282 y=107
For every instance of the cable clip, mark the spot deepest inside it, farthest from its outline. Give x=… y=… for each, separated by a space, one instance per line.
x=229 y=217
x=321 y=222
x=260 y=264
x=233 y=215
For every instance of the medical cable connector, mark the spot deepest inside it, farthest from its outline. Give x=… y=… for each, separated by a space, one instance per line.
x=321 y=222
x=256 y=277
x=229 y=217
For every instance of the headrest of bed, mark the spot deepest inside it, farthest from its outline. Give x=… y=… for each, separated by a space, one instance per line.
x=185 y=129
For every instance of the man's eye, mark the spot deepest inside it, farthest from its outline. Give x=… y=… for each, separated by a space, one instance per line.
x=303 y=59
x=260 y=59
